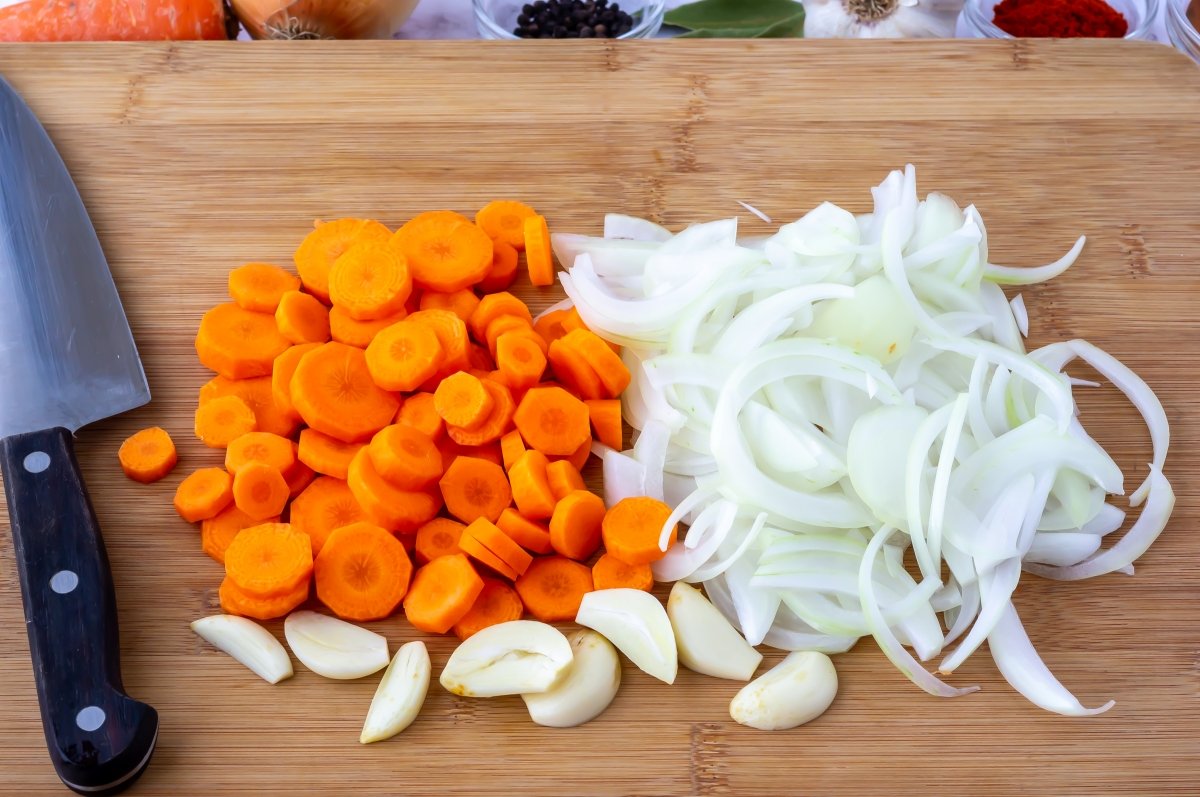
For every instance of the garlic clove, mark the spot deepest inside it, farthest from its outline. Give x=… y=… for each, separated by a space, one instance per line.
x=793 y=692
x=247 y=642
x=637 y=624
x=513 y=658
x=400 y=695
x=588 y=687
x=707 y=643
x=334 y=648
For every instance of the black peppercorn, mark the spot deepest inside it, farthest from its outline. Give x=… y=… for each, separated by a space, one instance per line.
x=572 y=19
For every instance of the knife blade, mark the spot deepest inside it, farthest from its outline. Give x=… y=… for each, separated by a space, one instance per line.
x=67 y=358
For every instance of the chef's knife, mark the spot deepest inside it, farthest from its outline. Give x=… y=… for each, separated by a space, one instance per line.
x=67 y=358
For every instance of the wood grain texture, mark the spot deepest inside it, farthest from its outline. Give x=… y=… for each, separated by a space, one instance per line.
x=195 y=158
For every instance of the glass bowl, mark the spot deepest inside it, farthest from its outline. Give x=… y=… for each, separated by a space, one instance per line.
x=1181 y=31
x=497 y=18
x=1140 y=14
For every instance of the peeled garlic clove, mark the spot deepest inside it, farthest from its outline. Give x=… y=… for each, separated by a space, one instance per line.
x=793 y=692
x=334 y=648
x=589 y=686
x=249 y=643
x=400 y=695
x=513 y=658
x=707 y=643
x=637 y=624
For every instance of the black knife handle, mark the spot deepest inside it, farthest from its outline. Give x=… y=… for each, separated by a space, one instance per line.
x=99 y=738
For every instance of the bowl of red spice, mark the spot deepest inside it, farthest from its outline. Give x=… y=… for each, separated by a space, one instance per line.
x=1060 y=19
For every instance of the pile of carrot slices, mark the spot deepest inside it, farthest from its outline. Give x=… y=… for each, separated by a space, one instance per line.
x=391 y=401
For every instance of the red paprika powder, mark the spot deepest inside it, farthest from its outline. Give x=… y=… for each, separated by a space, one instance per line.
x=1059 y=19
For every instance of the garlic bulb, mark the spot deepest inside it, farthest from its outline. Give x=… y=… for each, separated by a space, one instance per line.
x=880 y=19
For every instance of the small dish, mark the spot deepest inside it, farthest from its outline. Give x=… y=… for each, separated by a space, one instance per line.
x=496 y=19
x=1181 y=31
x=977 y=18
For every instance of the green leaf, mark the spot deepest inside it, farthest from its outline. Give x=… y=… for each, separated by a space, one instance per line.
x=792 y=27
x=750 y=17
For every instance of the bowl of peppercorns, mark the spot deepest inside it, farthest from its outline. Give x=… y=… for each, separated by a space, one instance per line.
x=568 y=19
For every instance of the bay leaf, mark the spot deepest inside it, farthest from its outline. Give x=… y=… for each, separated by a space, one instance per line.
x=750 y=17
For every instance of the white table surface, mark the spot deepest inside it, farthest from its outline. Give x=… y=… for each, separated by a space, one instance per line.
x=455 y=19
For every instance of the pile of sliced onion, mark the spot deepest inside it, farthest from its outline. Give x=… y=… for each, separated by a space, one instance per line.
x=816 y=403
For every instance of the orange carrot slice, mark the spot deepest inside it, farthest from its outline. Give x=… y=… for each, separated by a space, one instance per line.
x=362 y=572
x=441 y=594
x=203 y=494
x=325 y=505
x=148 y=455
x=553 y=587
x=333 y=391
x=497 y=603
x=259 y=286
x=632 y=527
x=474 y=488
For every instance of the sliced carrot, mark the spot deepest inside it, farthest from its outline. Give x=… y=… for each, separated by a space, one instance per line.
x=479 y=358
x=497 y=603
x=550 y=325
x=574 y=371
x=324 y=245
x=326 y=455
x=564 y=478
x=258 y=396
x=493 y=306
x=260 y=286
x=498 y=543
x=269 y=560
x=262 y=447
x=217 y=532
x=441 y=594
x=203 y=494
x=405 y=457
x=438 y=537
x=419 y=412
x=444 y=253
x=474 y=488
x=235 y=600
x=281 y=377
x=539 y=258
x=334 y=393
x=511 y=448
x=531 y=487
x=362 y=572
x=325 y=505
x=520 y=360
x=461 y=303
x=604 y=361
x=370 y=280
x=609 y=572
x=451 y=333
x=605 y=417
x=529 y=534
x=298 y=479
x=632 y=527
x=462 y=400
x=450 y=450
x=302 y=318
x=404 y=355
x=260 y=490
x=148 y=455
x=553 y=587
x=495 y=425
x=578 y=457
x=504 y=220
x=401 y=511
x=552 y=420
x=344 y=329
x=238 y=343
x=506 y=324
x=575 y=525
x=503 y=272
x=475 y=549
x=573 y=321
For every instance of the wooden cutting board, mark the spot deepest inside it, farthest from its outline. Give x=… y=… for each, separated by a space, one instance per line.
x=196 y=158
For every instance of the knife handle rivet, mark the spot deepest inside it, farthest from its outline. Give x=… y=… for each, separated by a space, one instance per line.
x=37 y=461
x=64 y=581
x=90 y=718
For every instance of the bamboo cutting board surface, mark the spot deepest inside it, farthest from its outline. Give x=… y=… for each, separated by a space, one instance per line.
x=195 y=158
